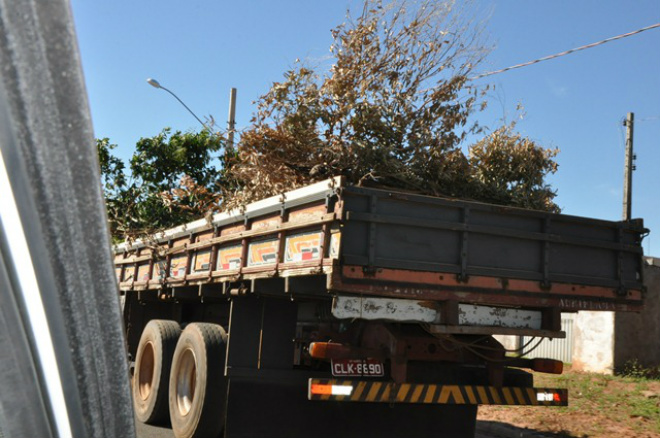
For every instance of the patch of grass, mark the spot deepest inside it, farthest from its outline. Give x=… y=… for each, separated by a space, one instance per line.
x=600 y=406
x=632 y=399
x=635 y=370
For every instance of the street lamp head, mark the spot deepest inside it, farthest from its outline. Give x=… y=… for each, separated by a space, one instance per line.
x=154 y=83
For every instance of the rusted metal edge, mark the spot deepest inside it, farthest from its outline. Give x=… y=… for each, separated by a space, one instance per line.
x=482 y=295
x=395 y=269
x=408 y=279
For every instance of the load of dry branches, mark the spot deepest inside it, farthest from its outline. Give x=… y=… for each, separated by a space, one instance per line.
x=392 y=111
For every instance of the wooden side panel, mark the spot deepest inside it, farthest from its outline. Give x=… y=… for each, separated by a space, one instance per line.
x=201 y=237
x=268 y=222
x=232 y=229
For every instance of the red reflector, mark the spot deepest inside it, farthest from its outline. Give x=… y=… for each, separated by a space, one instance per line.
x=321 y=389
x=557 y=397
x=549 y=366
x=328 y=350
x=318 y=350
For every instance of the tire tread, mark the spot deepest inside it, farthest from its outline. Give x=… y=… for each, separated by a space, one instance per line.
x=210 y=419
x=166 y=333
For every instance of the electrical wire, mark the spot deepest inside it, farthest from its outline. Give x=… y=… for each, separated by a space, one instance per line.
x=520 y=352
x=473 y=346
x=506 y=359
x=567 y=52
x=475 y=349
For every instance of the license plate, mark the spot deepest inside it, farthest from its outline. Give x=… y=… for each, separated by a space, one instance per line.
x=357 y=368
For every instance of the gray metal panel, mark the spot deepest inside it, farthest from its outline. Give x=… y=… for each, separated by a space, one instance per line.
x=396 y=230
x=579 y=260
x=405 y=243
x=505 y=218
x=244 y=333
x=487 y=251
x=278 y=330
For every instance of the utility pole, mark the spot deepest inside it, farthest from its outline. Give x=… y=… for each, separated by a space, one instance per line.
x=231 y=121
x=629 y=167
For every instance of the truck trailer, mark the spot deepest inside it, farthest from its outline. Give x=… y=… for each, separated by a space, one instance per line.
x=337 y=311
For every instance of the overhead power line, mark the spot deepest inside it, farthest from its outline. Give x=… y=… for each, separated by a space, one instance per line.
x=557 y=55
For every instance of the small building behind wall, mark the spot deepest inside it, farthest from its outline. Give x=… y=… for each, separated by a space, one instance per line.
x=637 y=336
x=606 y=342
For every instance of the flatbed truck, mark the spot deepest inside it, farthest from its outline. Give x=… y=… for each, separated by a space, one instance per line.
x=338 y=311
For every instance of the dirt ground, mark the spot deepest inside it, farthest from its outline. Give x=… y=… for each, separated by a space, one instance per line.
x=599 y=407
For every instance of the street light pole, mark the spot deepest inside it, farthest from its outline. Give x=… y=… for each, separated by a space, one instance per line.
x=629 y=167
x=231 y=121
x=154 y=83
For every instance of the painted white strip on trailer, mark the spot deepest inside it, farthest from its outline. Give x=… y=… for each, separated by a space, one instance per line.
x=389 y=309
x=401 y=310
x=470 y=314
x=20 y=255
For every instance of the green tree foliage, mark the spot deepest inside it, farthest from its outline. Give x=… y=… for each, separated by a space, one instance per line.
x=393 y=110
x=173 y=179
x=161 y=161
x=112 y=168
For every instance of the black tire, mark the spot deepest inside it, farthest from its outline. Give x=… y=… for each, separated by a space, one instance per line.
x=198 y=387
x=152 y=370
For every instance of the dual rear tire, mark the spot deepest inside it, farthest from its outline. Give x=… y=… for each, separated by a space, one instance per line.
x=179 y=374
x=198 y=387
x=152 y=370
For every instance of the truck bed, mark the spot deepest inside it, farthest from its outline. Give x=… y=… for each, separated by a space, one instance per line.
x=329 y=240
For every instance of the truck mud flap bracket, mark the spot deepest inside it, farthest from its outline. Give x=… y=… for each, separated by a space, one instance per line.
x=390 y=392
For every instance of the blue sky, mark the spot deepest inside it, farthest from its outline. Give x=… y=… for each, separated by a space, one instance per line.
x=200 y=49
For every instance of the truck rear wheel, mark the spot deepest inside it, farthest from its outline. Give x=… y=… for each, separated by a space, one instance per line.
x=197 y=383
x=152 y=370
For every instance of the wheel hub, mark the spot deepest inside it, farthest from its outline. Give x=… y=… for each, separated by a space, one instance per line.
x=185 y=381
x=146 y=372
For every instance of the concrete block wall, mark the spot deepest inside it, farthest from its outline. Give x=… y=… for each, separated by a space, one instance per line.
x=637 y=336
